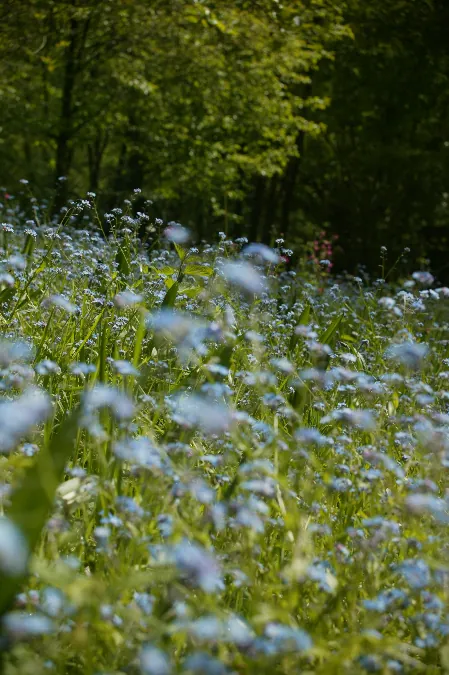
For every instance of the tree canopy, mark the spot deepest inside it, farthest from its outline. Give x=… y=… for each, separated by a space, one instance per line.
x=263 y=118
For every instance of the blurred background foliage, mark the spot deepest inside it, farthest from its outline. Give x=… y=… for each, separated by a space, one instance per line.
x=261 y=118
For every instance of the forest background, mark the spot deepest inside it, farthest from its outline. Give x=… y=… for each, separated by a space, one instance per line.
x=259 y=118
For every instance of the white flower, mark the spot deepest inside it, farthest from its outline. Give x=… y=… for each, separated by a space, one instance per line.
x=177 y=233
x=197 y=411
x=359 y=418
x=19 y=416
x=288 y=639
x=424 y=503
x=186 y=331
x=424 y=278
x=11 y=352
x=283 y=365
x=125 y=368
x=47 y=367
x=21 y=625
x=387 y=303
x=105 y=396
x=13 y=549
x=139 y=451
x=263 y=252
x=17 y=262
x=176 y=326
x=127 y=299
x=154 y=661
x=7 y=279
x=410 y=354
x=199 y=566
x=60 y=301
x=245 y=276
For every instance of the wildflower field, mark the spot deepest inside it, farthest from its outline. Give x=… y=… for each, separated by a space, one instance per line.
x=211 y=464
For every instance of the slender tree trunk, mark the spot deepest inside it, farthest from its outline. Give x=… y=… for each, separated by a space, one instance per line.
x=238 y=210
x=64 y=150
x=119 y=171
x=256 y=211
x=200 y=220
x=95 y=153
x=135 y=171
x=290 y=176
x=29 y=160
x=269 y=219
x=131 y=169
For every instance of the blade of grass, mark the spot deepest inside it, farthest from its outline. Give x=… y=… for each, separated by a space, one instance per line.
x=32 y=500
x=88 y=334
x=303 y=321
x=328 y=335
x=140 y=334
x=170 y=296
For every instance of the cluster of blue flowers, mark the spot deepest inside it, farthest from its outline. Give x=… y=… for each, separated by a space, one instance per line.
x=259 y=475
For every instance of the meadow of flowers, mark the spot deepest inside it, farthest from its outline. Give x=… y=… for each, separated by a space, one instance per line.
x=212 y=465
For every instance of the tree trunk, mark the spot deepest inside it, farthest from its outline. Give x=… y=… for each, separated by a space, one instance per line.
x=269 y=219
x=130 y=171
x=29 y=160
x=256 y=211
x=290 y=176
x=64 y=151
x=95 y=153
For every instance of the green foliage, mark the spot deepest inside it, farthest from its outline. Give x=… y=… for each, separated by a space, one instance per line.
x=261 y=118
x=382 y=166
x=32 y=499
x=329 y=335
x=170 y=296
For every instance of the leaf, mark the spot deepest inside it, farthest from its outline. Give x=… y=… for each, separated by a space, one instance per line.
x=195 y=259
x=170 y=296
x=102 y=352
x=393 y=404
x=123 y=262
x=88 y=334
x=29 y=245
x=39 y=269
x=165 y=271
x=6 y=294
x=225 y=355
x=192 y=291
x=305 y=316
x=140 y=334
x=32 y=500
x=31 y=295
x=329 y=333
x=180 y=251
x=44 y=336
x=360 y=360
x=168 y=281
x=444 y=657
x=302 y=321
x=199 y=270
